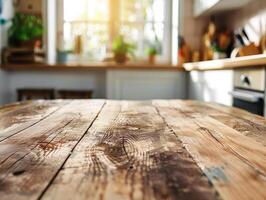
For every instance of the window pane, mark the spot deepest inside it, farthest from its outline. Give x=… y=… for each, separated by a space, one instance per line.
x=96 y=41
x=84 y=10
x=75 y=10
x=98 y=10
x=144 y=36
x=142 y=11
x=142 y=22
x=94 y=36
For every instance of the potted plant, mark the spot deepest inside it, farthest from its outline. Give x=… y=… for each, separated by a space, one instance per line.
x=25 y=30
x=152 y=52
x=62 y=55
x=121 y=49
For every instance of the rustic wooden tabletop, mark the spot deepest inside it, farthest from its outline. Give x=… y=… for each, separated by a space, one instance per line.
x=97 y=149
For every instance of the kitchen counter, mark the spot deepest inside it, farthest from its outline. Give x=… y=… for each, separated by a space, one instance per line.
x=99 y=149
x=91 y=66
x=230 y=63
x=222 y=64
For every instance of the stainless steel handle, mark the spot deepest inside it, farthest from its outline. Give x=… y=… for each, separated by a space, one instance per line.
x=247 y=96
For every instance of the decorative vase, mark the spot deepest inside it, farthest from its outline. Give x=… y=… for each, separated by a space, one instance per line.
x=152 y=59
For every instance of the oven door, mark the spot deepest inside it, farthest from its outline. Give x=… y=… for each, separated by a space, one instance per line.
x=251 y=101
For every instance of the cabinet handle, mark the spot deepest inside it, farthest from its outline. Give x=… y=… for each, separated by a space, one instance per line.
x=253 y=98
x=245 y=80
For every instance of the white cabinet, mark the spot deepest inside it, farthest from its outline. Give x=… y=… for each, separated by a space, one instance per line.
x=211 y=86
x=146 y=85
x=208 y=7
x=201 y=6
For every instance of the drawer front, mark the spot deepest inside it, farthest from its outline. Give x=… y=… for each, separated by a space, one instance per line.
x=250 y=78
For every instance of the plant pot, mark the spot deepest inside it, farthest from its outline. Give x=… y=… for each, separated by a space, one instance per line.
x=152 y=59
x=27 y=43
x=120 y=58
x=62 y=57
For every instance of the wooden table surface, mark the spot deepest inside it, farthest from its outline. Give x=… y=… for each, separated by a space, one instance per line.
x=97 y=149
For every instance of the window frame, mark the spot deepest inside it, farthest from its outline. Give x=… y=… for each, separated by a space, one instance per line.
x=169 y=44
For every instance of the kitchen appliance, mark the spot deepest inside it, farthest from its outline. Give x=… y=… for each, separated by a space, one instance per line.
x=249 y=90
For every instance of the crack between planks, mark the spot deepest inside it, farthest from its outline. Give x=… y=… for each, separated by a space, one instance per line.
x=226 y=147
x=45 y=117
x=24 y=156
x=70 y=153
x=37 y=143
x=173 y=132
x=231 y=150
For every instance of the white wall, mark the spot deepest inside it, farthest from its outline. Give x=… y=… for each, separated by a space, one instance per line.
x=146 y=85
x=191 y=28
x=211 y=86
x=120 y=84
x=6 y=14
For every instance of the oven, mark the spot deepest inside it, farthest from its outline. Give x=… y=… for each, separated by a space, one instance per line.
x=249 y=90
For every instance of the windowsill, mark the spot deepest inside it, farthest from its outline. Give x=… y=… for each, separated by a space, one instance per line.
x=93 y=66
x=223 y=64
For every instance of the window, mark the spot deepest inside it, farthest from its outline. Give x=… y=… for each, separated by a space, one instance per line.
x=145 y=23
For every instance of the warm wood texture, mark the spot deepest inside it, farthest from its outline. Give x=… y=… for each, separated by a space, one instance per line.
x=30 y=159
x=230 y=63
x=91 y=66
x=122 y=157
x=222 y=64
x=97 y=149
x=235 y=164
x=18 y=117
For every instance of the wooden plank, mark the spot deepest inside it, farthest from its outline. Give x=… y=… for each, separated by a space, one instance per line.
x=130 y=153
x=20 y=116
x=92 y=66
x=31 y=159
x=248 y=124
x=5 y=109
x=236 y=112
x=234 y=163
x=8 y=107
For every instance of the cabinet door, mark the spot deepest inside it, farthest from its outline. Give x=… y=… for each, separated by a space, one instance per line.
x=146 y=85
x=211 y=86
x=201 y=6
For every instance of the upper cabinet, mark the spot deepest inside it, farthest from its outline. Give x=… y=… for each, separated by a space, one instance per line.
x=208 y=7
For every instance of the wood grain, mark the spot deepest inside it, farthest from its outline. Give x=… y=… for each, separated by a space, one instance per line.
x=20 y=116
x=234 y=163
x=99 y=149
x=129 y=153
x=246 y=123
x=30 y=159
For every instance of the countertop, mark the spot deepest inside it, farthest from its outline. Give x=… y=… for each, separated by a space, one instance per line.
x=222 y=64
x=101 y=149
x=229 y=63
x=92 y=66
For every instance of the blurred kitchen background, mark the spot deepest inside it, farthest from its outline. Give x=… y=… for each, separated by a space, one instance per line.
x=206 y=50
